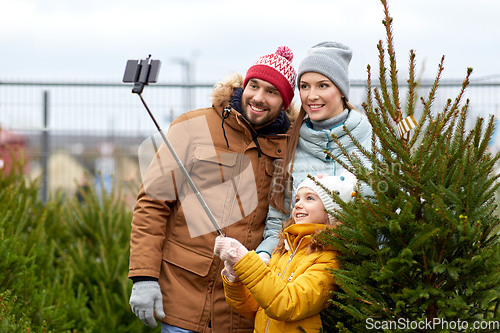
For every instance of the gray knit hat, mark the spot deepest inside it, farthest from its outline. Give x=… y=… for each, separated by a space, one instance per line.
x=330 y=59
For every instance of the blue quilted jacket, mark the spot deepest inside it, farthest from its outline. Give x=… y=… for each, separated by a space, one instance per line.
x=310 y=158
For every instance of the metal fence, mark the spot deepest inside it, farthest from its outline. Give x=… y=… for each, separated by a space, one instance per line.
x=73 y=129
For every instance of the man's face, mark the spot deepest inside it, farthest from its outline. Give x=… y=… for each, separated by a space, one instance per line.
x=261 y=103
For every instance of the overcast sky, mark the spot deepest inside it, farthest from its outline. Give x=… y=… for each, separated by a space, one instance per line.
x=64 y=40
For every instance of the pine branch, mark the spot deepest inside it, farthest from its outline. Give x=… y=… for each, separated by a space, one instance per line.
x=482 y=149
x=368 y=105
x=382 y=123
x=356 y=143
x=351 y=158
x=387 y=22
x=412 y=85
x=385 y=102
x=458 y=142
x=427 y=104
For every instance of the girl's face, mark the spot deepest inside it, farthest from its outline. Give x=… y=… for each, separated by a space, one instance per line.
x=320 y=98
x=309 y=208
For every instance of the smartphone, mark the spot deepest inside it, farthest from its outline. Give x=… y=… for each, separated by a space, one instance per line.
x=142 y=71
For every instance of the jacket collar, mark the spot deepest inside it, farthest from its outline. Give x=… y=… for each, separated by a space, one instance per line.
x=301 y=234
x=353 y=121
x=315 y=142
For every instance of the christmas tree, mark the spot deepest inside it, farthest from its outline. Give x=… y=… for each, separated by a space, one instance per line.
x=418 y=246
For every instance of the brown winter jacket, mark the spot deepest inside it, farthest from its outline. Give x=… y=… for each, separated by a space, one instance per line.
x=161 y=245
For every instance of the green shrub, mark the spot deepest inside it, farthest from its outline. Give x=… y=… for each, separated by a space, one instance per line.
x=8 y=322
x=98 y=256
x=28 y=232
x=64 y=264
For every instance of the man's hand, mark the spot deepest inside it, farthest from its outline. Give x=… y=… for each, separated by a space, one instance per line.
x=146 y=300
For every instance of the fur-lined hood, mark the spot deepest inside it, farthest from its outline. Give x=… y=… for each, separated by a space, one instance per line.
x=223 y=90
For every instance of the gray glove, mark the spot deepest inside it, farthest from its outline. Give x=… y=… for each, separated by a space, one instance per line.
x=146 y=300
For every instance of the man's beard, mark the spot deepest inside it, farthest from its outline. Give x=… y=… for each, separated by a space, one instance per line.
x=256 y=125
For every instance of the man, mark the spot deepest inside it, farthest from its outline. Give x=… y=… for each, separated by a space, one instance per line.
x=172 y=265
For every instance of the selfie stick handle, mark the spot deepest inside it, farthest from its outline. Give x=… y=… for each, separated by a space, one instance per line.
x=184 y=171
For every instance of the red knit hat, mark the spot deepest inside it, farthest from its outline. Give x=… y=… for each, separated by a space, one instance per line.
x=276 y=69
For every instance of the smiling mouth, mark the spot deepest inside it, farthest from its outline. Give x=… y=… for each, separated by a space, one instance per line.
x=300 y=215
x=256 y=109
x=316 y=106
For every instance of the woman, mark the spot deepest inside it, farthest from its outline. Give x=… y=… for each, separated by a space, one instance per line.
x=323 y=82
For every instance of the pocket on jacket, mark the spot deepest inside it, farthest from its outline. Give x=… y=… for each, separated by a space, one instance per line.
x=226 y=181
x=209 y=154
x=186 y=259
x=211 y=166
x=270 y=167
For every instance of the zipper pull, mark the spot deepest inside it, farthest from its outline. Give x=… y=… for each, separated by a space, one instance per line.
x=225 y=112
x=290 y=278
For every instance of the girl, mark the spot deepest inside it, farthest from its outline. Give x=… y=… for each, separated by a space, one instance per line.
x=293 y=290
x=323 y=82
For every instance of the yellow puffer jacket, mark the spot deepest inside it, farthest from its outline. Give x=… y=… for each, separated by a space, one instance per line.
x=289 y=293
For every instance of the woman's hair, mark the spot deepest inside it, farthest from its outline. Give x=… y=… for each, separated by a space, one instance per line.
x=285 y=182
x=313 y=246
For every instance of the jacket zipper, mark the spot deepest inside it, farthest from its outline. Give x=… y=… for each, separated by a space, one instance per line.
x=283 y=274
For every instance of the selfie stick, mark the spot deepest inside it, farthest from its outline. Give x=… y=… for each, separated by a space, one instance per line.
x=141 y=73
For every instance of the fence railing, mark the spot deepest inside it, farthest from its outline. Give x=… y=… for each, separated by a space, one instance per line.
x=70 y=129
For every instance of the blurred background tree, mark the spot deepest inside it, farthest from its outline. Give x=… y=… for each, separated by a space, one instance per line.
x=64 y=264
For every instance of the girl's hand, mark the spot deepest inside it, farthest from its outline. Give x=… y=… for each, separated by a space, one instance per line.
x=229 y=273
x=229 y=249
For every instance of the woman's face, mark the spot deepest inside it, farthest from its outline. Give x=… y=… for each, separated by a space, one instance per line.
x=320 y=98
